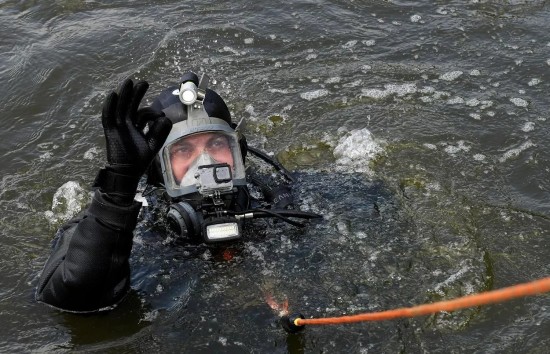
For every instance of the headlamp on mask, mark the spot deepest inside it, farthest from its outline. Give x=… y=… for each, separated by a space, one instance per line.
x=188 y=92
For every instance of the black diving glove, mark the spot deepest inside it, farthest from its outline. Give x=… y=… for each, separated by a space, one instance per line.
x=129 y=149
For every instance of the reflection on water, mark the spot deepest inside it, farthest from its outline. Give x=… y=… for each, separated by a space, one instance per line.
x=417 y=129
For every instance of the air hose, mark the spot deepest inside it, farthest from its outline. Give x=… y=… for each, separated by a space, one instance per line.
x=296 y=322
x=281 y=214
x=271 y=161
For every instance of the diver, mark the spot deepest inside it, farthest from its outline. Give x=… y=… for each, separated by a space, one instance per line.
x=193 y=156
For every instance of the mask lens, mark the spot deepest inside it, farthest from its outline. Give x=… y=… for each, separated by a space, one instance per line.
x=185 y=156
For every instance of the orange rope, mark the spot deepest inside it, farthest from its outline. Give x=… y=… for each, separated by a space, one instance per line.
x=490 y=297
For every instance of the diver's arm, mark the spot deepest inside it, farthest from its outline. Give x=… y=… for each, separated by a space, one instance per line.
x=88 y=269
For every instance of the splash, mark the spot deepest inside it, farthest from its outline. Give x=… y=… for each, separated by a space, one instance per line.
x=356 y=150
x=68 y=200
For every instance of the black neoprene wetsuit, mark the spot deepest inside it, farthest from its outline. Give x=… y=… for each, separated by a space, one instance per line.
x=89 y=269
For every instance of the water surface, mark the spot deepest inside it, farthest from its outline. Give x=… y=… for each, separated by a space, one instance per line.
x=435 y=112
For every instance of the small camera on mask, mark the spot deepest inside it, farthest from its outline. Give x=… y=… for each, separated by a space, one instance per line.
x=214 y=179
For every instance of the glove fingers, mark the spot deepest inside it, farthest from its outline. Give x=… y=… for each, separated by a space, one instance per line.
x=146 y=115
x=109 y=111
x=139 y=91
x=158 y=132
x=124 y=100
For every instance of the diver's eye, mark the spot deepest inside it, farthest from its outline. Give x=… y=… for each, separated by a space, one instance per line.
x=182 y=151
x=218 y=143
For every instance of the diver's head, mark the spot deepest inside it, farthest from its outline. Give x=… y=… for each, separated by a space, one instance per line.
x=202 y=152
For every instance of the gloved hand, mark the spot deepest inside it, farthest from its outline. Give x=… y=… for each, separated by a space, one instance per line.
x=129 y=149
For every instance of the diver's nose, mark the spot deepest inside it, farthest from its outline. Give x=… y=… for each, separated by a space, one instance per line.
x=205 y=159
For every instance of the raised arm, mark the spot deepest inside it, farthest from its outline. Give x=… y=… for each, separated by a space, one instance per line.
x=88 y=269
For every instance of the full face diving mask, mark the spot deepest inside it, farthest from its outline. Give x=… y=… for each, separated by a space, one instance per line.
x=202 y=169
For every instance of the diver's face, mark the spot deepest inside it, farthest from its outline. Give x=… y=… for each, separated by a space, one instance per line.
x=185 y=151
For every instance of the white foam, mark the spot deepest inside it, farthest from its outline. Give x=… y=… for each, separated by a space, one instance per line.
x=369 y=42
x=366 y=68
x=454 y=277
x=450 y=76
x=374 y=93
x=390 y=89
x=91 y=154
x=455 y=100
x=475 y=72
x=333 y=80
x=353 y=83
x=486 y=104
x=534 y=82
x=150 y=316
x=438 y=94
x=250 y=109
x=430 y=146
x=461 y=146
x=356 y=150
x=473 y=102
x=528 y=126
x=505 y=216
x=45 y=156
x=479 y=157
x=248 y=40
x=231 y=50
x=401 y=90
x=476 y=116
x=427 y=89
x=68 y=200
x=416 y=18
x=311 y=56
x=311 y=95
x=520 y=102
x=274 y=90
x=426 y=99
x=515 y=152
x=350 y=44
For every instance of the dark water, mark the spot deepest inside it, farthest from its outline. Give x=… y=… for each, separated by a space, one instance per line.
x=435 y=111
